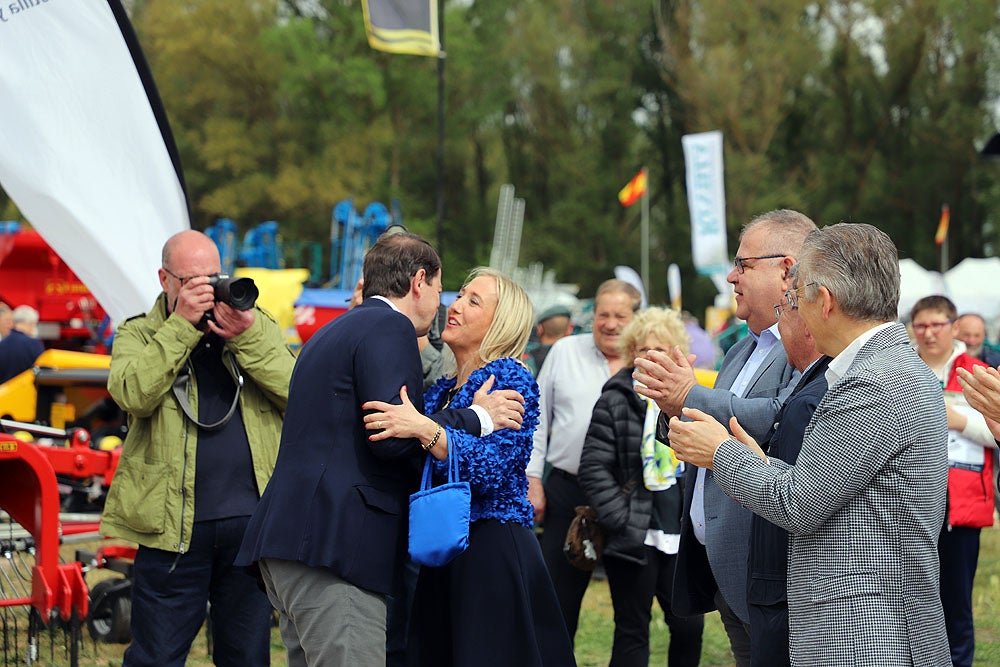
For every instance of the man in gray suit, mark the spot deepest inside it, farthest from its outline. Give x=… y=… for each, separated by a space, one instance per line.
x=864 y=502
x=754 y=378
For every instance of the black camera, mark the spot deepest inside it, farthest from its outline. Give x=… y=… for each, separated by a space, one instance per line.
x=240 y=293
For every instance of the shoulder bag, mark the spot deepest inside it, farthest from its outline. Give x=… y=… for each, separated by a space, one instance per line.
x=439 y=516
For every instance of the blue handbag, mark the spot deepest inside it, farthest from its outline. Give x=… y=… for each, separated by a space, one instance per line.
x=439 y=516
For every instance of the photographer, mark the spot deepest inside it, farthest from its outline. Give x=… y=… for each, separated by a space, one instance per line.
x=204 y=385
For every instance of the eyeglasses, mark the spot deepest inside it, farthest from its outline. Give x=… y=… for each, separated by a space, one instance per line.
x=792 y=295
x=934 y=327
x=741 y=262
x=177 y=277
x=780 y=307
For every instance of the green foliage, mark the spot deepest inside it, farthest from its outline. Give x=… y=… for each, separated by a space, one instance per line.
x=848 y=110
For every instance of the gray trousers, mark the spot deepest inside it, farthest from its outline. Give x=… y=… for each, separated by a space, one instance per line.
x=324 y=620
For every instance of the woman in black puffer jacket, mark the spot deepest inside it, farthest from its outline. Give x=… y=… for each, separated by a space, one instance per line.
x=641 y=526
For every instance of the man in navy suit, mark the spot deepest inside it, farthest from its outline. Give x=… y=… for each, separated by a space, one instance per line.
x=330 y=531
x=767 y=589
x=20 y=347
x=753 y=381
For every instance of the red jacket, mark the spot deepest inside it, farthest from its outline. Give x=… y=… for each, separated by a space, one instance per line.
x=970 y=492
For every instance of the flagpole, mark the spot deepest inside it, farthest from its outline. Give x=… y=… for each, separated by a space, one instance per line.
x=440 y=124
x=645 y=243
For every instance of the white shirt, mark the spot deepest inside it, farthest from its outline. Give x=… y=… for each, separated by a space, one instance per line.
x=766 y=341
x=569 y=385
x=840 y=363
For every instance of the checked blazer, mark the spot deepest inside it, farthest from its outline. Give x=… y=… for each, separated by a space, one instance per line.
x=864 y=504
x=721 y=564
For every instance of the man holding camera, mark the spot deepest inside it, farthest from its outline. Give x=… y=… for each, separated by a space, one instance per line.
x=205 y=385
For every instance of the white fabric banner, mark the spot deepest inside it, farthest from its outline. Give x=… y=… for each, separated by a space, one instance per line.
x=707 y=202
x=81 y=152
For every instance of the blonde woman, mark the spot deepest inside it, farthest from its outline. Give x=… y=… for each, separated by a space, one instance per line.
x=493 y=604
x=633 y=482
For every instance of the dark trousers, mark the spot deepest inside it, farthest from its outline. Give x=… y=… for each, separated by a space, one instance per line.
x=769 y=635
x=397 y=620
x=958 y=549
x=633 y=588
x=738 y=631
x=562 y=495
x=170 y=593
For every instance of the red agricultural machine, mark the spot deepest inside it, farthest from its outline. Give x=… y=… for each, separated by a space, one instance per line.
x=31 y=273
x=53 y=478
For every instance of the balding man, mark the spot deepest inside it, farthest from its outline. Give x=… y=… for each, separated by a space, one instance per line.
x=205 y=386
x=972 y=332
x=864 y=502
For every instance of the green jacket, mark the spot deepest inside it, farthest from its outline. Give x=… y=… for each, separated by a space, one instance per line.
x=151 y=499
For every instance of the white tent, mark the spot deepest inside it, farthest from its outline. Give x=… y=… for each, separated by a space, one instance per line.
x=916 y=282
x=974 y=285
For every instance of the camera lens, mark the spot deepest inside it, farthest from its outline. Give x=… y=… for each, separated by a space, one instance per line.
x=240 y=293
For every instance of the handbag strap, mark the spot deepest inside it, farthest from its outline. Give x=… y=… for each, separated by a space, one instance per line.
x=425 y=481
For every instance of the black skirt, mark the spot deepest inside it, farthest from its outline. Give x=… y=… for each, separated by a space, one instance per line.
x=493 y=605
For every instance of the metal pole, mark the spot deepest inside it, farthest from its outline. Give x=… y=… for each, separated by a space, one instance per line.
x=440 y=146
x=645 y=244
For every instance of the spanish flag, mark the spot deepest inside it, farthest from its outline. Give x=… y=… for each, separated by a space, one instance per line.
x=634 y=190
x=942 y=230
x=403 y=26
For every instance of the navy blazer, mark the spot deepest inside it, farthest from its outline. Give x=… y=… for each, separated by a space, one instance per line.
x=768 y=542
x=336 y=499
x=18 y=352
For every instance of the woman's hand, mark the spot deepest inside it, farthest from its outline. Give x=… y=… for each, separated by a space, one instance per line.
x=398 y=421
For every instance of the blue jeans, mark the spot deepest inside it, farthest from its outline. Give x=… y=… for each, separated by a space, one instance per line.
x=171 y=591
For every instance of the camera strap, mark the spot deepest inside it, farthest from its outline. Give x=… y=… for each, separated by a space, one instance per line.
x=183 y=381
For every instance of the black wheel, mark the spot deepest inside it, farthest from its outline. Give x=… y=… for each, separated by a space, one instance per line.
x=110 y=618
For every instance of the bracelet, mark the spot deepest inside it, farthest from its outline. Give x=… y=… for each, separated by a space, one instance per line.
x=434 y=440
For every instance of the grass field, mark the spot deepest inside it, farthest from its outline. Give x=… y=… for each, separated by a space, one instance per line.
x=593 y=643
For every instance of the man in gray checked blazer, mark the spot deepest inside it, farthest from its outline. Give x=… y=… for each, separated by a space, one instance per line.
x=712 y=559
x=865 y=501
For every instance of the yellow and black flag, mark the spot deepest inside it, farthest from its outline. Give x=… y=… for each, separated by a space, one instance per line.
x=403 y=26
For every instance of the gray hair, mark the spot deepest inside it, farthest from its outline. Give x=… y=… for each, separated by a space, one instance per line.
x=858 y=264
x=25 y=315
x=787 y=229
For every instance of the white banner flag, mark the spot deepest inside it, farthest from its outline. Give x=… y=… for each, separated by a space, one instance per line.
x=85 y=151
x=706 y=201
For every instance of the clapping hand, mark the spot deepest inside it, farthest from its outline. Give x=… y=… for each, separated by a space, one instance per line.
x=695 y=441
x=665 y=378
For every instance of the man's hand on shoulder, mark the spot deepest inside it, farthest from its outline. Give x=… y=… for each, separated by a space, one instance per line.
x=665 y=378
x=504 y=406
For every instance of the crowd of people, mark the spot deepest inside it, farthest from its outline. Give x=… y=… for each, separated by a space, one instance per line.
x=825 y=496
